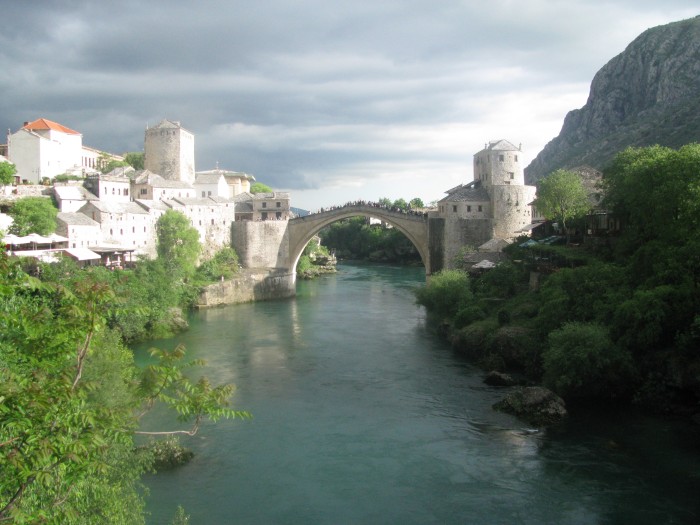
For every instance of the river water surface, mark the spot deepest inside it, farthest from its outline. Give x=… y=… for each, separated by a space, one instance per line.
x=363 y=416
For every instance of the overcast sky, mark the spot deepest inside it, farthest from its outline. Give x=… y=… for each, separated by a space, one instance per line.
x=331 y=100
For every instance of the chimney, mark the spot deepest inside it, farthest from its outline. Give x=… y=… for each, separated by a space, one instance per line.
x=26 y=123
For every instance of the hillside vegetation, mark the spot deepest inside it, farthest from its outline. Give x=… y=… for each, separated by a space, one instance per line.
x=621 y=322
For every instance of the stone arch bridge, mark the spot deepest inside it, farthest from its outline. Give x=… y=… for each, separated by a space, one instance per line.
x=415 y=226
x=272 y=248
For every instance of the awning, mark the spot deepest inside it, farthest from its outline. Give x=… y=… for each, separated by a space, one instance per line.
x=530 y=226
x=485 y=264
x=82 y=254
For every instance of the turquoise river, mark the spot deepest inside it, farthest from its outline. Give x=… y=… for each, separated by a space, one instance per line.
x=363 y=416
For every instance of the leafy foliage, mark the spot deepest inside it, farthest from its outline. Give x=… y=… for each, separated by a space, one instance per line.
x=7 y=173
x=259 y=187
x=135 y=159
x=33 y=215
x=581 y=361
x=446 y=293
x=562 y=197
x=223 y=265
x=71 y=398
x=178 y=244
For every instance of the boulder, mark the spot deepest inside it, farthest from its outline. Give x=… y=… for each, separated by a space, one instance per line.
x=535 y=404
x=495 y=378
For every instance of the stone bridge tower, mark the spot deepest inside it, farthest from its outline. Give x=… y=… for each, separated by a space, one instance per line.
x=169 y=151
x=499 y=169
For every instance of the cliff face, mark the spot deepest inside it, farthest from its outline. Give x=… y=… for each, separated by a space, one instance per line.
x=649 y=94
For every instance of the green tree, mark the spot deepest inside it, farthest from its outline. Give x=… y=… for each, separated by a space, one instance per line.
x=33 y=215
x=7 y=173
x=385 y=201
x=417 y=203
x=223 y=265
x=582 y=362
x=135 y=159
x=446 y=293
x=70 y=401
x=113 y=164
x=178 y=243
x=562 y=197
x=259 y=187
x=655 y=191
x=400 y=203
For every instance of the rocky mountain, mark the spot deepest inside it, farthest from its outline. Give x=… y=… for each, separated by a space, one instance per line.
x=648 y=94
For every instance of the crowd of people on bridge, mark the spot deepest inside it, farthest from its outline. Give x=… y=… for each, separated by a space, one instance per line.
x=390 y=208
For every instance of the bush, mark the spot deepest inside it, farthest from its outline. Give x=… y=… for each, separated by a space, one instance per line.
x=468 y=315
x=445 y=293
x=167 y=453
x=581 y=362
x=223 y=265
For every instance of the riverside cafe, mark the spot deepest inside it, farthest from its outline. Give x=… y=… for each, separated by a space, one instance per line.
x=53 y=247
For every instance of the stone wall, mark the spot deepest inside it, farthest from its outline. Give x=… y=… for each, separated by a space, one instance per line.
x=511 y=209
x=261 y=244
x=249 y=285
x=464 y=232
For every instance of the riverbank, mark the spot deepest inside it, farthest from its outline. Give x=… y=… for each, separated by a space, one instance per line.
x=355 y=400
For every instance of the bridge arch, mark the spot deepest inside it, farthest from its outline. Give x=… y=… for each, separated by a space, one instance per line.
x=413 y=225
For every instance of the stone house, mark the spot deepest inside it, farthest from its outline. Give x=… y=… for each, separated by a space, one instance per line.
x=71 y=197
x=211 y=184
x=110 y=187
x=150 y=186
x=43 y=149
x=80 y=230
x=271 y=206
x=212 y=217
x=124 y=224
x=496 y=204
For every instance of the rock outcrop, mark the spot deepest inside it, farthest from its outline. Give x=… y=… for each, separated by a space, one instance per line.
x=649 y=94
x=535 y=404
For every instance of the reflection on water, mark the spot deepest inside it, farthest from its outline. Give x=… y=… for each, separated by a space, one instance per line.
x=361 y=415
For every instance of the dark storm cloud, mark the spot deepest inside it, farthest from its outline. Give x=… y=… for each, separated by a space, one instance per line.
x=312 y=93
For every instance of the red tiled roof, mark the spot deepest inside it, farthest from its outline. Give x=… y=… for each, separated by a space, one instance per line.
x=43 y=123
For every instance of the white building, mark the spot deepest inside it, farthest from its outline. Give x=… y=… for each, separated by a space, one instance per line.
x=238 y=182
x=212 y=184
x=43 y=149
x=109 y=188
x=124 y=224
x=212 y=217
x=80 y=230
x=71 y=197
x=150 y=186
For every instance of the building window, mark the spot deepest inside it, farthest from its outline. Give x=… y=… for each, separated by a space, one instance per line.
x=512 y=175
x=112 y=191
x=279 y=204
x=516 y=158
x=278 y=214
x=501 y=158
x=203 y=194
x=133 y=229
x=126 y=192
x=480 y=208
x=212 y=222
x=264 y=204
x=208 y=194
x=454 y=208
x=264 y=215
x=469 y=208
